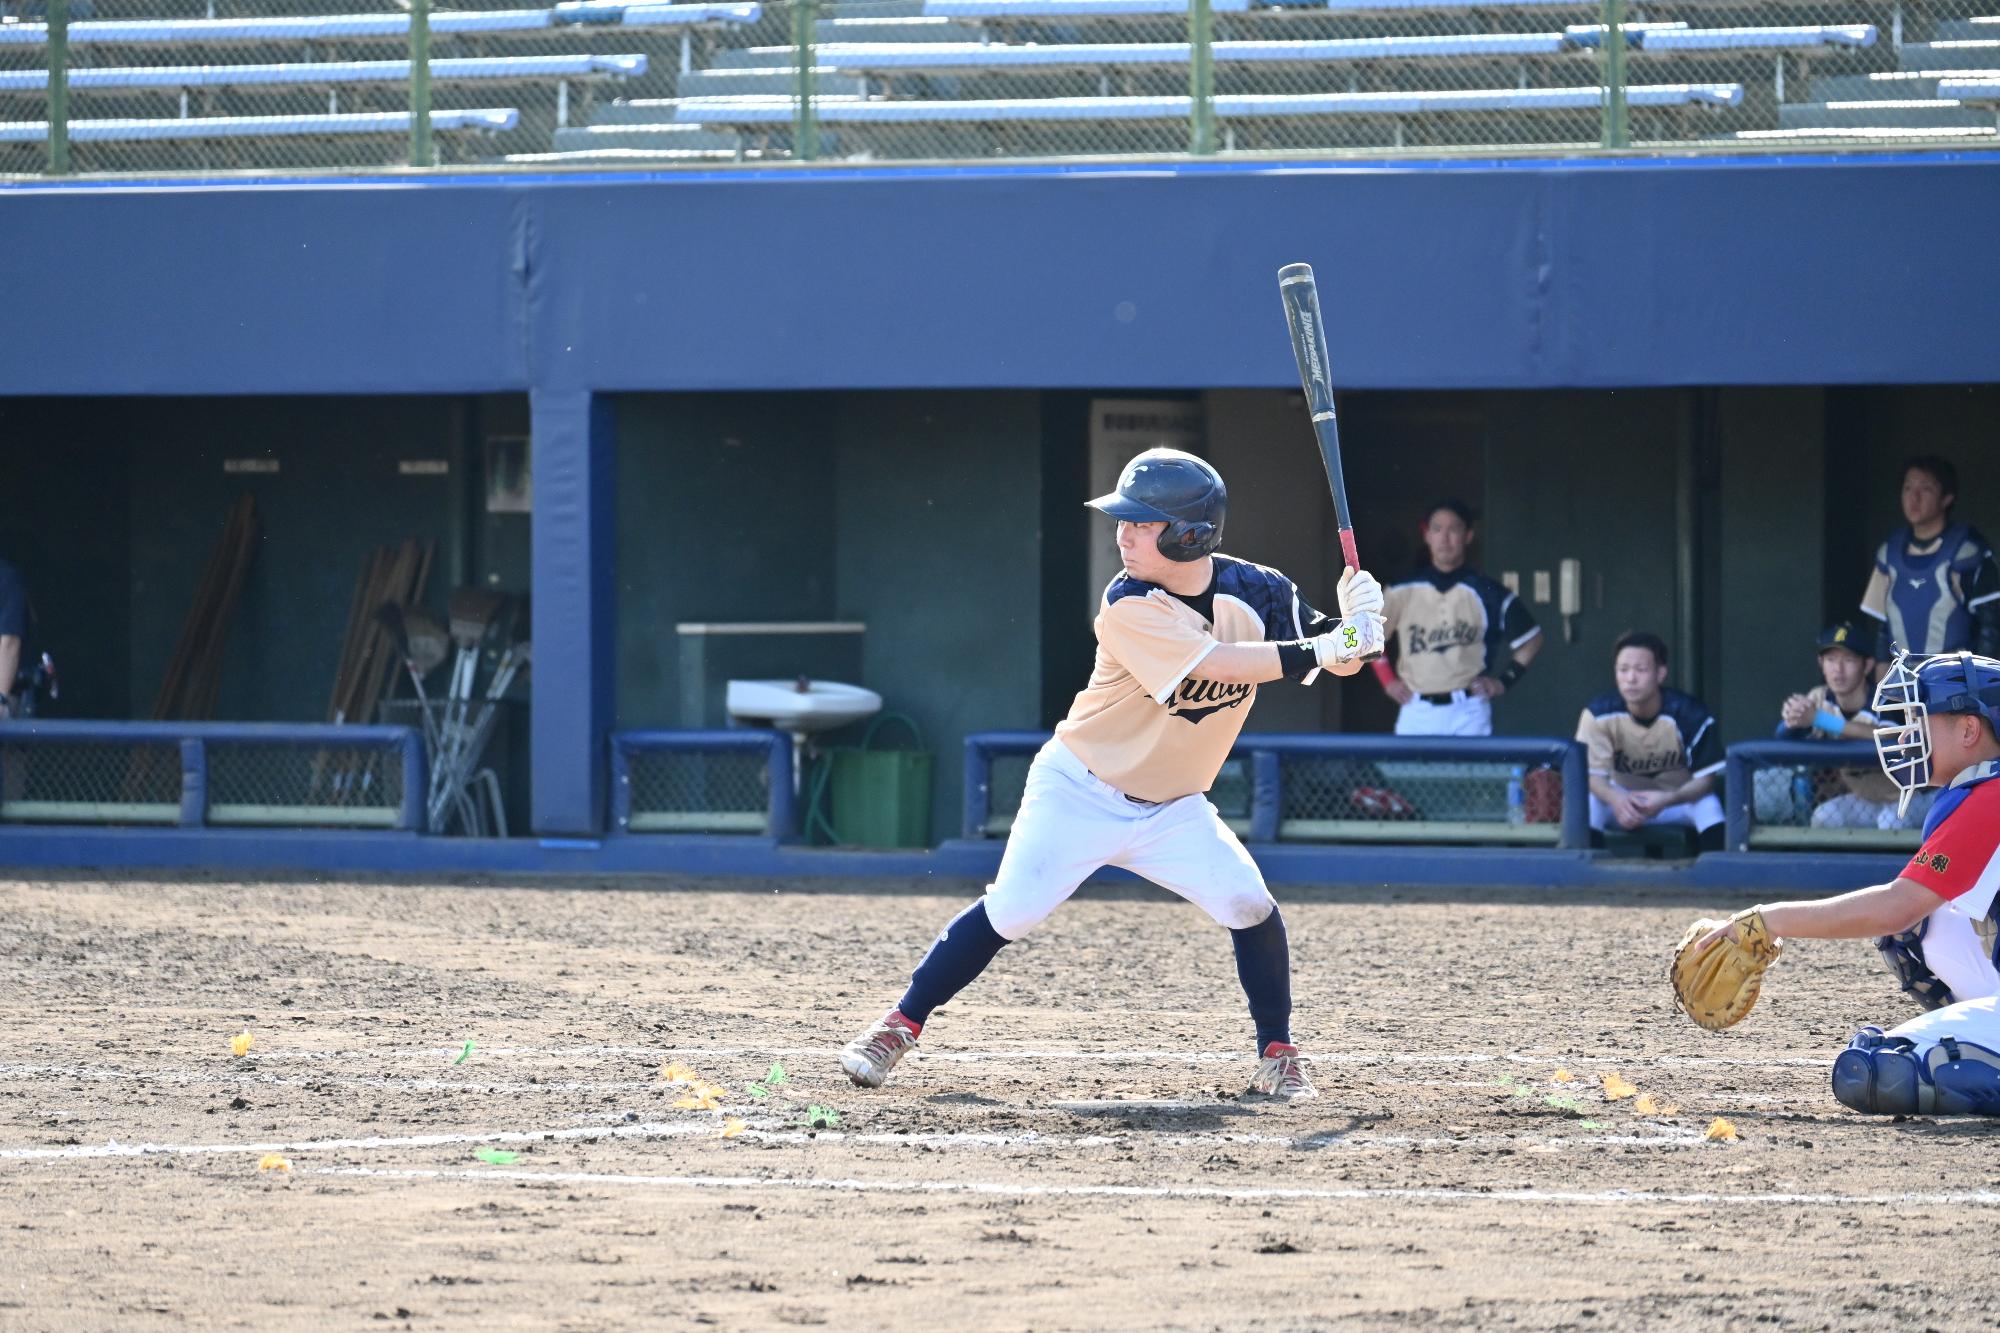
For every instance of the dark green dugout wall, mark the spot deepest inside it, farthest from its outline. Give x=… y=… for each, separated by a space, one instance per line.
x=916 y=514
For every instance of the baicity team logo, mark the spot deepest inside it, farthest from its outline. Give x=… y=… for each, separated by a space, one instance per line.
x=1441 y=638
x=1197 y=699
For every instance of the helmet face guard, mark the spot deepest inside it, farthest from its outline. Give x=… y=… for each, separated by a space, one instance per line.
x=1912 y=690
x=1177 y=489
x=1902 y=738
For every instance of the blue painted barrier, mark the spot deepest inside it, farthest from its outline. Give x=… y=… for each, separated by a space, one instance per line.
x=781 y=819
x=1264 y=754
x=1741 y=763
x=194 y=740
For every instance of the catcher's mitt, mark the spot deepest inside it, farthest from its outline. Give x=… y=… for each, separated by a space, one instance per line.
x=1718 y=985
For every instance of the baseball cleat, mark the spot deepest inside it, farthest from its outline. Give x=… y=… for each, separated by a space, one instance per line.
x=870 y=1056
x=1282 y=1074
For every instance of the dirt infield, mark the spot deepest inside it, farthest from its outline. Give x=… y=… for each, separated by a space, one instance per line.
x=1068 y=1151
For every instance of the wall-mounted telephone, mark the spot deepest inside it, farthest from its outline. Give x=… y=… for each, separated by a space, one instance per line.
x=1569 y=594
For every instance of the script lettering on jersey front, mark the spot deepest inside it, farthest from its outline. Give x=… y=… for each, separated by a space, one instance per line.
x=1197 y=699
x=1441 y=638
x=1647 y=765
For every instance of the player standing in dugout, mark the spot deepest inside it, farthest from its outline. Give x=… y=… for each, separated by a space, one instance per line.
x=1184 y=638
x=1464 y=639
x=1936 y=586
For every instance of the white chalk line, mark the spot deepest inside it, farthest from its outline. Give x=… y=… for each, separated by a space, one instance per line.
x=1395 y=1057
x=1409 y=1194
x=771 y=1130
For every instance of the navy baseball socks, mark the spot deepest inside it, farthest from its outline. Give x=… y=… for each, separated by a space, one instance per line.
x=1264 y=966
x=961 y=952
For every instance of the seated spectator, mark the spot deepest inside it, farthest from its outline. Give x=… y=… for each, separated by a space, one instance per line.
x=1839 y=709
x=1653 y=750
x=1936 y=586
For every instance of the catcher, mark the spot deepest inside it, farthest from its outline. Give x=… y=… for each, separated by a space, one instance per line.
x=1935 y=924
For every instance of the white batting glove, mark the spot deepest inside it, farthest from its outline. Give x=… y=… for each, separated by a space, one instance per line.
x=1359 y=592
x=1354 y=638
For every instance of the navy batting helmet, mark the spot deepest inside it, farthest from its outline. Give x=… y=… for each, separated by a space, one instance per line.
x=1177 y=489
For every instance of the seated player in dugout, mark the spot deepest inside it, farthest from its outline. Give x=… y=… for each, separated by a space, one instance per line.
x=1935 y=587
x=1653 y=750
x=1464 y=640
x=1185 y=635
x=1840 y=708
x=1935 y=924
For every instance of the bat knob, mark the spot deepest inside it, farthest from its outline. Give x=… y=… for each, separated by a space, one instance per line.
x=1294 y=271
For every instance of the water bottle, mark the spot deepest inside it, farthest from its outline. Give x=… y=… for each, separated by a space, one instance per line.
x=1802 y=795
x=1517 y=795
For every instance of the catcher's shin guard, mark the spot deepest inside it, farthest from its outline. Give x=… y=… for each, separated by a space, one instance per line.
x=1884 y=1075
x=1967 y=1076
x=1881 y=1075
x=1904 y=956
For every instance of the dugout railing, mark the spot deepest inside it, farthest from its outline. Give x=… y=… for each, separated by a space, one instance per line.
x=1510 y=791
x=212 y=775
x=727 y=782
x=1792 y=796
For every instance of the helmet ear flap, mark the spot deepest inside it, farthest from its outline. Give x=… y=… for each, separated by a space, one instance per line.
x=1185 y=541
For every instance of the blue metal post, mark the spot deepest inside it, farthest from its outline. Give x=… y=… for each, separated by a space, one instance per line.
x=784 y=804
x=978 y=787
x=416 y=784
x=572 y=693
x=621 y=787
x=194 y=783
x=1736 y=775
x=1576 y=799
x=1267 y=795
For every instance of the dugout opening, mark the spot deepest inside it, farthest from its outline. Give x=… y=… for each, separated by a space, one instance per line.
x=113 y=508
x=1733 y=521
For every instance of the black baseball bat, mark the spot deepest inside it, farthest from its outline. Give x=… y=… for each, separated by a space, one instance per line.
x=1301 y=296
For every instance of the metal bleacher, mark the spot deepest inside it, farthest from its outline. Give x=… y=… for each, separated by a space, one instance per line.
x=170 y=91
x=593 y=80
x=971 y=78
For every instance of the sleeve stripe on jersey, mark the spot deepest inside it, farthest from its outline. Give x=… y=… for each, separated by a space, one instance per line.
x=1536 y=630
x=1868 y=610
x=1977 y=602
x=1201 y=653
x=1710 y=771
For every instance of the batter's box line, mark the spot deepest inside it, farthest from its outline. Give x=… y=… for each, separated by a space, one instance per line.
x=1612 y=1059
x=1262 y=1194
x=777 y=1131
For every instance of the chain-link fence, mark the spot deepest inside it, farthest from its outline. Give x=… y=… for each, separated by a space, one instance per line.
x=170 y=85
x=214 y=774
x=1345 y=789
x=693 y=792
x=1824 y=795
x=737 y=781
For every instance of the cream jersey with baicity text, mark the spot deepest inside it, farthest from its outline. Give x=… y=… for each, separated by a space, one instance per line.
x=1143 y=724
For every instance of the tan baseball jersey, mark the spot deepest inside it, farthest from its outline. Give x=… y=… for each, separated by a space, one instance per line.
x=1453 y=627
x=1143 y=724
x=1658 y=754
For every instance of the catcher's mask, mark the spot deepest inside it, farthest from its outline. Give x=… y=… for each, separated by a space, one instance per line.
x=1912 y=690
x=1177 y=489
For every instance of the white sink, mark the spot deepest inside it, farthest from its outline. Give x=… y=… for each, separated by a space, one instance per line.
x=821 y=706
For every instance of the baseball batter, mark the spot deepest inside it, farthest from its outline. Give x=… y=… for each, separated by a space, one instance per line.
x=1937 y=923
x=1184 y=638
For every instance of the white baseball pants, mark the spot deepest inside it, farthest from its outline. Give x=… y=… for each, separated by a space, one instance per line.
x=1701 y=815
x=1072 y=823
x=1466 y=715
